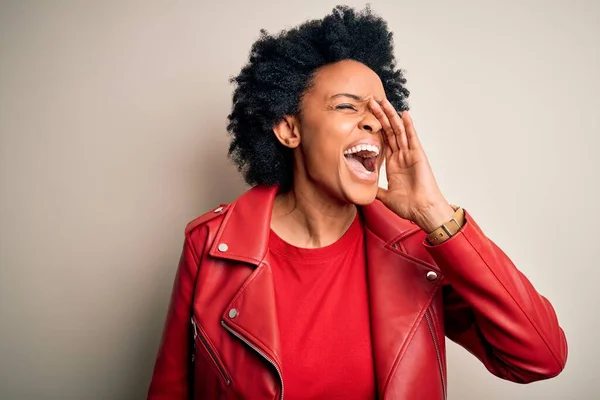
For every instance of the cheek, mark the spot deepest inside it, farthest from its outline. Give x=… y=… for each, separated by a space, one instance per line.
x=324 y=142
x=323 y=158
x=334 y=133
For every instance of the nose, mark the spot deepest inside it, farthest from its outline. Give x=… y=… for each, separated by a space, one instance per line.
x=370 y=123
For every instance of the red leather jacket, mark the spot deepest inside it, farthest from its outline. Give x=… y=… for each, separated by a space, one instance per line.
x=221 y=337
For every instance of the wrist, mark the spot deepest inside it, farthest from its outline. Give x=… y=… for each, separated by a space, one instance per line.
x=448 y=229
x=432 y=217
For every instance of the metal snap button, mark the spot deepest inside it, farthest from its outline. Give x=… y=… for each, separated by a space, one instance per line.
x=432 y=276
x=218 y=209
x=223 y=247
x=233 y=313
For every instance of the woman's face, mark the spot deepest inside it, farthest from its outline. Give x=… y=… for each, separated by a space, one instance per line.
x=338 y=143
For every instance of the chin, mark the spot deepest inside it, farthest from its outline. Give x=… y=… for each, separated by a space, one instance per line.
x=360 y=194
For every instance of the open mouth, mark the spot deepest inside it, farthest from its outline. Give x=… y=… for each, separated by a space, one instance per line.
x=362 y=158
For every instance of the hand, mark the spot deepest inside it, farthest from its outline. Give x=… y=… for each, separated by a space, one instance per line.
x=413 y=192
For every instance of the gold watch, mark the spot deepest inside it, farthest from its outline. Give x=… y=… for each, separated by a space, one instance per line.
x=448 y=228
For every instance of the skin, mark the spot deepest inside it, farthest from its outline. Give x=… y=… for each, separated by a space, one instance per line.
x=346 y=104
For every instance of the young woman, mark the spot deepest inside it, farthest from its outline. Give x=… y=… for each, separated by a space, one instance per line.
x=318 y=284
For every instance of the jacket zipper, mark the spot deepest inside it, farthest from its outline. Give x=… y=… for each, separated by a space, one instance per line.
x=437 y=352
x=263 y=355
x=211 y=353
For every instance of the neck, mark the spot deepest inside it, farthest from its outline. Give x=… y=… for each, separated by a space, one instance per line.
x=310 y=218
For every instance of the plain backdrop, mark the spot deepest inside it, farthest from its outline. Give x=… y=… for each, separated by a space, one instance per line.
x=112 y=122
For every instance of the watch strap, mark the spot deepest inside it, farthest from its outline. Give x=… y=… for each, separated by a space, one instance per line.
x=448 y=228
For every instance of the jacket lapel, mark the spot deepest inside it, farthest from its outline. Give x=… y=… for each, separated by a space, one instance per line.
x=244 y=237
x=399 y=292
x=255 y=318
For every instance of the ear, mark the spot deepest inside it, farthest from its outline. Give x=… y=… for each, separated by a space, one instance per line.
x=287 y=131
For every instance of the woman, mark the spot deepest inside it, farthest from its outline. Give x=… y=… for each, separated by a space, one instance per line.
x=318 y=284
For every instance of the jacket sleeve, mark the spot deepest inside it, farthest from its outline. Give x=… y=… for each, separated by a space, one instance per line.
x=172 y=371
x=492 y=309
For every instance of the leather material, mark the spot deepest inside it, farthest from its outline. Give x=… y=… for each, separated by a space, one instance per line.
x=465 y=288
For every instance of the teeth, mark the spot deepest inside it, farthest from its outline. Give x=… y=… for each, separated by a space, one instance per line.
x=363 y=147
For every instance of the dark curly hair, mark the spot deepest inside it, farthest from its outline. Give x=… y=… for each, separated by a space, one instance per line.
x=280 y=70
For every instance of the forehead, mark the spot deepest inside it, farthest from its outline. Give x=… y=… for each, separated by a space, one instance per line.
x=347 y=77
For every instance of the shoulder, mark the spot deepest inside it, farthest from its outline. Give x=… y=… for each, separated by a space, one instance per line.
x=215 y=215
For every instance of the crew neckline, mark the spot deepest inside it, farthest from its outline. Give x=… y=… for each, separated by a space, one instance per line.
x=307 y=255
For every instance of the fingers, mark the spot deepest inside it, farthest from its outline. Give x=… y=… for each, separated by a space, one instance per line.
x=411 y=133
x=399 y=131
x=388 y=131
x=397 y=124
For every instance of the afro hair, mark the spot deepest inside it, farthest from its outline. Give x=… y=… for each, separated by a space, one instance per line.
x=280 y=70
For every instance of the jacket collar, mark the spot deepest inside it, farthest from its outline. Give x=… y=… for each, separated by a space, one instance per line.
x=245 y=229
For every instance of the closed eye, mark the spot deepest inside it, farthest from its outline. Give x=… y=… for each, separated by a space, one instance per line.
x=345 y=107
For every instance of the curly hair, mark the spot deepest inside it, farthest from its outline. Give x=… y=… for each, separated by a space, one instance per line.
x=281 y=69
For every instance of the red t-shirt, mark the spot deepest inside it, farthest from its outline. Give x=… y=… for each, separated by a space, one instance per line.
x=323 y=309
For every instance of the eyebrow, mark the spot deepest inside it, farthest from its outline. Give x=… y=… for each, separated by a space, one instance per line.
x=352 y=96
